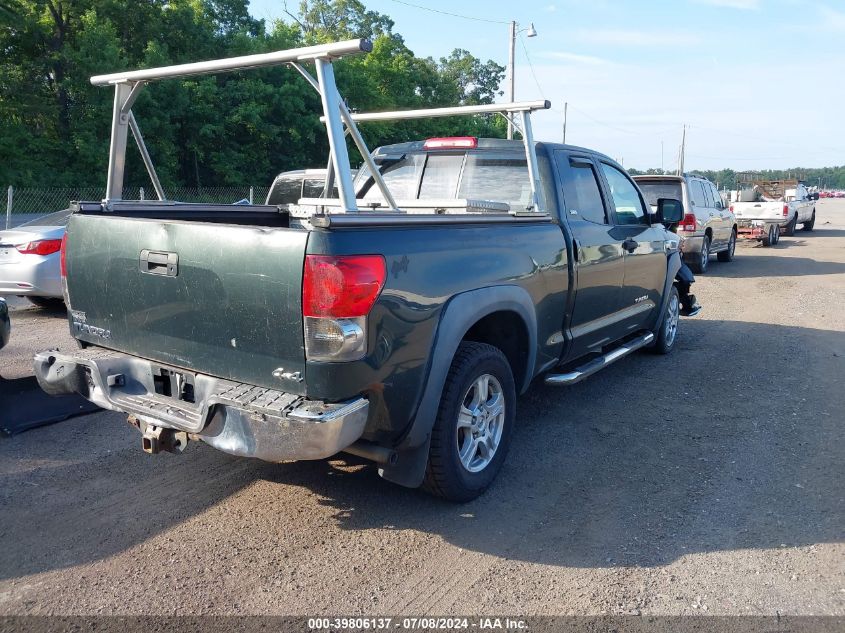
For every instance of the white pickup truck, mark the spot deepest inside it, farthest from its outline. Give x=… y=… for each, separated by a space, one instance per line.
x=771 y=207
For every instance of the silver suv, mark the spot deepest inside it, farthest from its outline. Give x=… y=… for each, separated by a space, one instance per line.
x=708 y=226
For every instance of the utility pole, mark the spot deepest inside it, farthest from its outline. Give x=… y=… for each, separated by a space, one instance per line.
x=662 y=168
x=683 y=151
x=511 y=74
x=514 y=31
x=565 y=110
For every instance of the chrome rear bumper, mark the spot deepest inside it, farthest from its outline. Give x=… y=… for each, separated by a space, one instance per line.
x=233 y=417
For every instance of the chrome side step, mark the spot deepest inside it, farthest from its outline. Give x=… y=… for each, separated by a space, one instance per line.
x=577 y=375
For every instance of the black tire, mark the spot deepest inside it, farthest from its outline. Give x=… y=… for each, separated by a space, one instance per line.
x=771 y=236
x=699 y=266
x=777 y=236
x=48 y=303
x=728 y=255
x=667 y=334
x=790 y=228
x=808 y=226
x=445 y=474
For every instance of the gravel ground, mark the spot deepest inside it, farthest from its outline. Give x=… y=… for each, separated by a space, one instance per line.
x=709 y=481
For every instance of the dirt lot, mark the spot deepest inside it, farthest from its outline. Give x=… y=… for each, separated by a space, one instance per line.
x=710 y=481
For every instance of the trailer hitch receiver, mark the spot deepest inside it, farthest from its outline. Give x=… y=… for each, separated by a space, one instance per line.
x=156 y=439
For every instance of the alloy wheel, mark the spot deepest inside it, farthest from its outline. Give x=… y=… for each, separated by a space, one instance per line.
x=673 y=314
x=481 y=420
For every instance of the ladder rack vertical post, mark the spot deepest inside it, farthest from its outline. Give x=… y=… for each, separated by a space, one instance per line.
x=337 y=139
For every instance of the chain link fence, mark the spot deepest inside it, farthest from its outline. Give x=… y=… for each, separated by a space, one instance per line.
x=25 y=204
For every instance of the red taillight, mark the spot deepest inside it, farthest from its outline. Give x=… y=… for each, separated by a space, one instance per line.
x=732 y=208
x=785 y=210
x=689 y=223
x=41 y=247
x=343 y=286
x=62 y=264
x=451 y=142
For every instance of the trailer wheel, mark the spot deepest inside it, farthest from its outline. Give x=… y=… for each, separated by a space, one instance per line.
x=777 y=235
x=769 y=240
x=808 y=226
x=472 y=431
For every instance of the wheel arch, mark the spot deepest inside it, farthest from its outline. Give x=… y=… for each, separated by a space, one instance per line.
x=507 y=331
x=673 y=265
x=473 y=315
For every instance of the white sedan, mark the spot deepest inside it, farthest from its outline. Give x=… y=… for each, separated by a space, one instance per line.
x=30 y=259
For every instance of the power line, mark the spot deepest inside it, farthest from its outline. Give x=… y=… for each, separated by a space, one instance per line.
x=607 y=125
x=531 y=66
x=454 y=15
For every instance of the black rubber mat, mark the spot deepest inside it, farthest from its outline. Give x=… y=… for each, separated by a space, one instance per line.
x=24 y=406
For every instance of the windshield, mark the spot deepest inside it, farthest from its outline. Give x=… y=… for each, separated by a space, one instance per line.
x=654 y=190
x=59 y=218
x=476 y=176
x=285 y=190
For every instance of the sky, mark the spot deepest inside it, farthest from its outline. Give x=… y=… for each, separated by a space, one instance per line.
x=760 y=84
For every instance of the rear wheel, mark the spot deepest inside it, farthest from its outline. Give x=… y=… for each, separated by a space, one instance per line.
x=728 y=255
x=699 y=266
x=667 y=332
x=790 y=228
x=808 y=226
x=48 y=303
x=472 y=432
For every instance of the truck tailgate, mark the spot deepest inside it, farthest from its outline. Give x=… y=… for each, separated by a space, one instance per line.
x=772 y=211
x=217 y=299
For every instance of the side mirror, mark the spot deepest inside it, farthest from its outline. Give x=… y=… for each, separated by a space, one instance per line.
x=669 y=211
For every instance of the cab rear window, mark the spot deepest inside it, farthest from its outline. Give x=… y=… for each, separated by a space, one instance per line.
x=474 y=175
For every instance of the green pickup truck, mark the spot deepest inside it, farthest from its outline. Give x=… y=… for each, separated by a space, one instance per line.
x=398 y=322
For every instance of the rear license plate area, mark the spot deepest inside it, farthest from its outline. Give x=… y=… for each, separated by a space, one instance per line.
x=173 y=384
x=7 y=255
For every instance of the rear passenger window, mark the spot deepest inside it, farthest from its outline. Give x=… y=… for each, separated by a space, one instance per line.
x=697 y=194
x=626 y=198
x=717 y=200
x=705 y=192
x=582 y=194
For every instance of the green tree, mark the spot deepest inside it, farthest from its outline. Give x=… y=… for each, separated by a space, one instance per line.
x=231 y=128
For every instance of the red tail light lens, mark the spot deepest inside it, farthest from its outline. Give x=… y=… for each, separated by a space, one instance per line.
x=785 y=210
x=41 y=247
x=62 y=264
x=341 y=287
x=732 y=208
x=452 y=142
x=689 y=223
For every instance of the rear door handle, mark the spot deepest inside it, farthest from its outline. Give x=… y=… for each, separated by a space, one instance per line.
x=630 y=244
